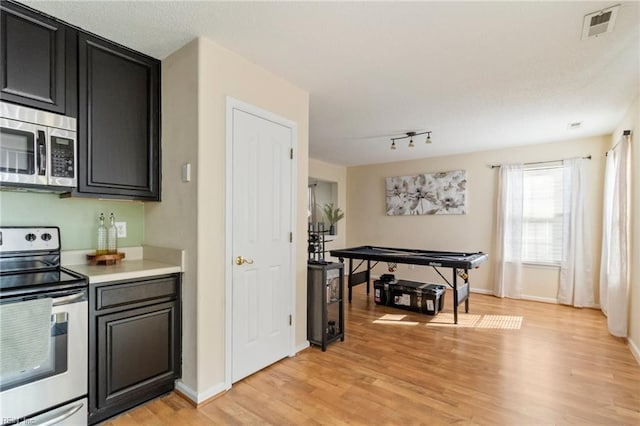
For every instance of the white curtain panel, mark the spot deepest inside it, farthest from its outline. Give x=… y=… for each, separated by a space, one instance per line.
x=614 y=265
x=607 y=215
x=508 y=279
x=576 y=268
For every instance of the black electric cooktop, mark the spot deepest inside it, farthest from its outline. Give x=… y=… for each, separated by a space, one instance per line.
x=30 y=282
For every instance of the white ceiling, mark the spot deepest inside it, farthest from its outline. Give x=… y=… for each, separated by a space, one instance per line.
x=479 y=75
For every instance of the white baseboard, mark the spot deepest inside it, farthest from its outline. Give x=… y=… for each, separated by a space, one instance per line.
x=199 y=397
x=301 y=347
x=523 y=297
x=480 y=291
x=635 y=350
x=539 y=299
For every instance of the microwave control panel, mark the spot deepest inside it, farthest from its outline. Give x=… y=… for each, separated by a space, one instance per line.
x=62 y=157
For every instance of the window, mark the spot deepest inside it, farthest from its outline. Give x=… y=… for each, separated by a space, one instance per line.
x=542 y=214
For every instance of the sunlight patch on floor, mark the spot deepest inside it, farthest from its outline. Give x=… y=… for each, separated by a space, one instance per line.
x=503 y=322
x=445 y=319
x=396 y=322
x=394 y=319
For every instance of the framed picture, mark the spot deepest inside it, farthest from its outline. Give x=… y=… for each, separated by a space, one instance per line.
x=428 y=193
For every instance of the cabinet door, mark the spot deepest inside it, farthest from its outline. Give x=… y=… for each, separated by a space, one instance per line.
x=33 y=62
x=118 y=123
x=137 y=351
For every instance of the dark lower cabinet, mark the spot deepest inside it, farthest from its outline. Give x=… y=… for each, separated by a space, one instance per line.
x=37 y=60
x=118 y=121
x=134 y=342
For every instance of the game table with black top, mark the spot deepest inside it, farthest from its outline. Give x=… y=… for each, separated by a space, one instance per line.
x=459 y=262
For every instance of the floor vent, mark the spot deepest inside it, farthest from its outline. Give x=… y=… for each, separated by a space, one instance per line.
x=600 y=22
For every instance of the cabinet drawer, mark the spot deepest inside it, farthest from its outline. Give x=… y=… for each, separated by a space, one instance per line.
x=129 y=293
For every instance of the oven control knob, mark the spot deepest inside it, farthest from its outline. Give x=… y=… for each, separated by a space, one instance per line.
x=46 y=236
x=30 y=237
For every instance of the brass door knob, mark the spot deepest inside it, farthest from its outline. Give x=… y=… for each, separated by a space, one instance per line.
x=240 y=260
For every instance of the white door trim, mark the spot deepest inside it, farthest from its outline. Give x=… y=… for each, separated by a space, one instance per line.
x=232 y=104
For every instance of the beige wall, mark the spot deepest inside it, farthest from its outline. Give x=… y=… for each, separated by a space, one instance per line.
x=196 y=82
x=338 y=174
x=631 y=122
x=172 y=223
x=223 y=73
x=475 y=231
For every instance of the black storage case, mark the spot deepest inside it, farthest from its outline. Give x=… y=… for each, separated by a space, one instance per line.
x=410 y=295
x=438 y=300
x=381 y=292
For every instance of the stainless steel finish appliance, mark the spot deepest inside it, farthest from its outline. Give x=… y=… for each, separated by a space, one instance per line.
x=38 y=149
x=38 y=296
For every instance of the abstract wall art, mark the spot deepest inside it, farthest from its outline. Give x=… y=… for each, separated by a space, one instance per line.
x=428 y=193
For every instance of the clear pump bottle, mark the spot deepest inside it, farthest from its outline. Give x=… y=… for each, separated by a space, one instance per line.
x=102 y=236
x=112 y=235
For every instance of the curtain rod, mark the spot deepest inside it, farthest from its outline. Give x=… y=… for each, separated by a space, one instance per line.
x=494 y=166
x=624 y=133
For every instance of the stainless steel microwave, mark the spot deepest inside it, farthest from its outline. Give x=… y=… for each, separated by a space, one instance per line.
x=38 y=149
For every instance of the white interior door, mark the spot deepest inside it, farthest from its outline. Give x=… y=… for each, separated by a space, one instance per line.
x=262 y=222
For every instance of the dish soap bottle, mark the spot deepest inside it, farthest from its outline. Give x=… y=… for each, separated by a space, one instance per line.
x=112 y=235
x=102 y=237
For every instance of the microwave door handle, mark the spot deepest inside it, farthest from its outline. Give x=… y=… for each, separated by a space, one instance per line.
x=42 y=153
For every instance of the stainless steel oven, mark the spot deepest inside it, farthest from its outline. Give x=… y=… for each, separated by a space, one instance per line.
x=43 y=331
x=37 y=149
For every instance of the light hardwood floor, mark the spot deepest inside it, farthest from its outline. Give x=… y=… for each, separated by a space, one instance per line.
x=560 y=367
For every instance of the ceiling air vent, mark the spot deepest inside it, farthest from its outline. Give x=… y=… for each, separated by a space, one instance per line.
x=600 y=22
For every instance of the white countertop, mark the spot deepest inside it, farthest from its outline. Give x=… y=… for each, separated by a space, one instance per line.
x=138 y=263
x=125 y=270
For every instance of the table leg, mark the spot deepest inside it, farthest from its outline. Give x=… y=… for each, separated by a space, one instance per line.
x=350 y=278
x=455 y=295
x=368 y=275
x=466 y=281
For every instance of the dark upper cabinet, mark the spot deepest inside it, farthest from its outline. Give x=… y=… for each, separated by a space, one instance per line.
x=118 y=121
x=113 y=91
x=37 y=63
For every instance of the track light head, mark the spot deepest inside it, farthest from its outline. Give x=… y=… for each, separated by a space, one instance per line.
x=410 y=136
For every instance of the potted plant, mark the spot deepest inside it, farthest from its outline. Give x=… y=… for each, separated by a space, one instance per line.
x=333 y=214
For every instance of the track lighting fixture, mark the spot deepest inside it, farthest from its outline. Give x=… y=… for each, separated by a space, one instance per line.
x=410 y=135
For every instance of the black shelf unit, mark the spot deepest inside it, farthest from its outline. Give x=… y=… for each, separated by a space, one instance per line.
x=316 y=235
x=325 y=303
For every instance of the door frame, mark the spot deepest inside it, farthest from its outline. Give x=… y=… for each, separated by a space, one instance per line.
x=231 y=105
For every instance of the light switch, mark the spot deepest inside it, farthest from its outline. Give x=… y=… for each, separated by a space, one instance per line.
x=122 y=229
x=186 y=172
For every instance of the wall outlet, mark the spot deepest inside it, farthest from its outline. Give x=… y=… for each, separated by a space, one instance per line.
x=412 y=266
x=122 y=229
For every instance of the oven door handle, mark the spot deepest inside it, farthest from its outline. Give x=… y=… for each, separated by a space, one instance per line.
x=58 y=418
x=67 y=299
